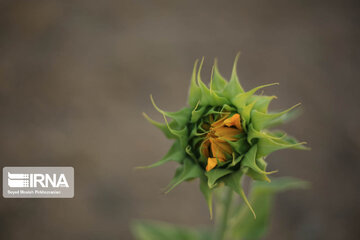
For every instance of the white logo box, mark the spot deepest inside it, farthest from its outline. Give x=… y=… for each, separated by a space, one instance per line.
x=38 y=182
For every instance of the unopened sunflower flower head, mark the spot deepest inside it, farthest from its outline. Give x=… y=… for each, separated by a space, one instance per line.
x=222 y=134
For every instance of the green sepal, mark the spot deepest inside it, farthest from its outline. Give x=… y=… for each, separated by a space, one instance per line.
x=253 y=133
x=216 y=174
x=241 y=99
x=181 y=117
x=187 y=171
x=267 y=145
x=209 y=97
x=194 y=91
x=235 y=160
x=163 y=127
x=240 y=146
x=260 y=162
x=262 y=120
x=190 y=153
x=233 y=181
x=250 y=161
x=194 y=132
x=245 y=112
x=207 y=192
x=227 y=108
x=181 y=134
x=176 y=153
x=234 y=87
x=197 y=113
x=212 y=110
x=257 y=176
x=218 y=82
x=261 y=102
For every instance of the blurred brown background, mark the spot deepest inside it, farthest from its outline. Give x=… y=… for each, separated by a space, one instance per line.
x=76 y=76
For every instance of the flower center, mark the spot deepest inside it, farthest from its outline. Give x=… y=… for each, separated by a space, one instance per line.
x=216 y=145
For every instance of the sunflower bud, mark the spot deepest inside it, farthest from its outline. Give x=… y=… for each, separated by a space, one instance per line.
x=222 y=134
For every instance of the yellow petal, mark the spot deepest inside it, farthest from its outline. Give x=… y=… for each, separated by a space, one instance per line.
x=205 y=148
x=225 y=147
x=235 y=120
x=220 y=122
x=212 y=162
x=216 y=150
x=227 y=133
x=219 y=149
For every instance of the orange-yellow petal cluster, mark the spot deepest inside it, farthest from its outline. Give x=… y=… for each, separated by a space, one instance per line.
x=215 y=145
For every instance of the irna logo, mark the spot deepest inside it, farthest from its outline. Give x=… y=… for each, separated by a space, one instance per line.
x=38 y=182
x=21 y=180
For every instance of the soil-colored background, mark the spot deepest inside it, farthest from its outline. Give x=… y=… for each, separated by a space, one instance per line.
x=76 y=76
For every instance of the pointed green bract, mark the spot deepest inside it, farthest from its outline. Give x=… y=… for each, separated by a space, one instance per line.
x=191 y=127
x=180 y=134
x=241 y=99
x=233 y=181
x=261 y=102
x=267 y=146
x=175 y=154
x=209 y=97
x=233 y=87
x=216 y=174
x=262 y=120
x=163 y=127
x=181 y=117
x=250 y=161
x=197 y=113
x=218 y=82
x=186 y=172
x=194 y=91
x=207 y=192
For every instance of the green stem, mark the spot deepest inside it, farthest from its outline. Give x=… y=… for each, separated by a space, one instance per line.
x=220 y=233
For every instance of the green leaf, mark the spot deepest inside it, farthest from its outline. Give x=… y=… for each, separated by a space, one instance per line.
x=261 y=198
x=216 y=174
x=176 y=153
x=151 y=230
x=187 y=171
